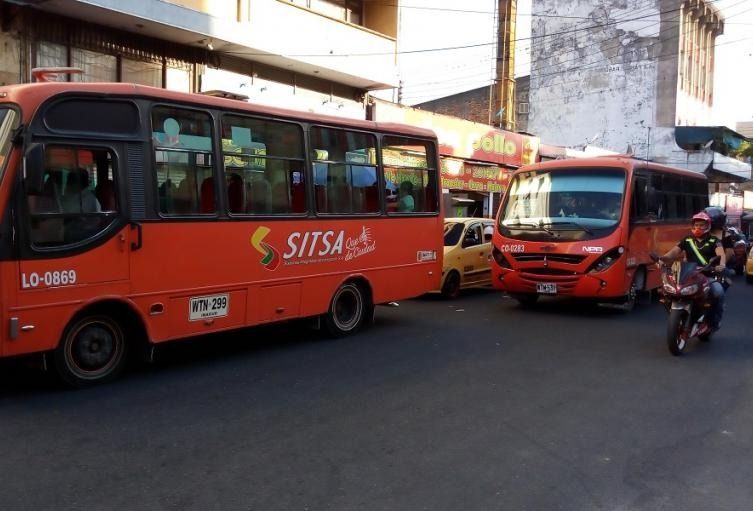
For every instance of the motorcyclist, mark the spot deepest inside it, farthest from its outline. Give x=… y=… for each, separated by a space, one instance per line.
x=719 y=229
x=700 y=247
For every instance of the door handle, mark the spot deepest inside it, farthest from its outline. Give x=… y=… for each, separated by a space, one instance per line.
x=139 y=240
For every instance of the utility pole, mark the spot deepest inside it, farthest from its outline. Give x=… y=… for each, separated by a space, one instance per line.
x=503 y=97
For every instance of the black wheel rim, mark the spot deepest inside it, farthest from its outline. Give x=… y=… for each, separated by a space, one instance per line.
x=453 y=285
x=94 y=349
x=347 y=308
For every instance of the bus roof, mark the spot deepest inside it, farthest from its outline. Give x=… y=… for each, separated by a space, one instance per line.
x=619 y=160
x=37 y=93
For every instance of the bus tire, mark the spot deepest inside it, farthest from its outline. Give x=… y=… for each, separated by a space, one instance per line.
x=93 y=350
x=636 y=287
x=347 y=310
x=451 y=286
x=675 y=325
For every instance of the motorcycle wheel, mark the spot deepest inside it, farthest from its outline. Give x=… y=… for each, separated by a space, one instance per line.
x=675 y=326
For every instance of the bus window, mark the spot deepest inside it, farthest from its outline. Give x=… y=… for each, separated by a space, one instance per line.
x=264 y=162
x=78 y=198
x=410 y=175
x=183 y=156
x=345 y=179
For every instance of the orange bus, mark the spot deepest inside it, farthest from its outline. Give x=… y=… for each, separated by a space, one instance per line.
x=585 y=228
x=138 y=215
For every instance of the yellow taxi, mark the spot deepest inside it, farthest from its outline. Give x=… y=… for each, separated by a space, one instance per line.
x=748 y=267
x=467 y=252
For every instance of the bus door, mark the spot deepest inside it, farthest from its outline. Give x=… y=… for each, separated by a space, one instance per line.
x=76 y=241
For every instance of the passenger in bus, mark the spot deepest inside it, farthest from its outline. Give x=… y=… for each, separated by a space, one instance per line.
x=610 y=209
x=405 y=201
x=569 y=206
x=78 y=198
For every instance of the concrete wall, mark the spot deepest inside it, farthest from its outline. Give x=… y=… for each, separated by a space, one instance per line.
x=10 y=52
x=280 y=34
x=226 y=9
x=595 y=80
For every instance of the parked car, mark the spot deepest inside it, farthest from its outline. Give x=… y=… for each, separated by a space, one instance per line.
x=467 y=252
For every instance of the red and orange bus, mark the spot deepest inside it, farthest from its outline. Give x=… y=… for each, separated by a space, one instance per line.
x=132 y=214
x=585 y=228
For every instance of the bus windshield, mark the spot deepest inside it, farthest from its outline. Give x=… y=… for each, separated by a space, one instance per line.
x=7 y=123
x=568 y=203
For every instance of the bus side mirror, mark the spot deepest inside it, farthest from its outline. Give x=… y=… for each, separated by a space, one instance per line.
x=34 y=167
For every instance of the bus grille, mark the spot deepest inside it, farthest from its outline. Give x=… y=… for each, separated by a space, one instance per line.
x=565 y=283
x=554 y=258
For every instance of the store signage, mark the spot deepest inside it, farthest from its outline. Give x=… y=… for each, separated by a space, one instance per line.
x=460 y=175
x=465 y=139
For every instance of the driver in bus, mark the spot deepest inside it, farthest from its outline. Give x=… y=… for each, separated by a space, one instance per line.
x=701 y=247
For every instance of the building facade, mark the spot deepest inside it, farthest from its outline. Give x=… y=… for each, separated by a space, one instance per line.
x=609 y=75
x=472 y=105
x=476 y=159
x=316 y=55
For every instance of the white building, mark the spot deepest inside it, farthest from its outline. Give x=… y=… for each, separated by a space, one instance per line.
x=318 y=55
x=623 y=78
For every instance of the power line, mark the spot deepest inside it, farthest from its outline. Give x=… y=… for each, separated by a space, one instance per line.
x=601 y=51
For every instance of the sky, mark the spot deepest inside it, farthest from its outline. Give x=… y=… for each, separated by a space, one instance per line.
x=448 y=47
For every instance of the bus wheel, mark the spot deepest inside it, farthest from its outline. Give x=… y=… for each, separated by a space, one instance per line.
x=451 y=286
x=93 y=350
x=636 y=286
x=346 y=311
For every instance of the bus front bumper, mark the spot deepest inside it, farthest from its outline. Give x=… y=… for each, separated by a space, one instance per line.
x=578 y=285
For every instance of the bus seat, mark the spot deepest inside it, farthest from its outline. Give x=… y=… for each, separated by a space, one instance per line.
x=207 y=195
x=105 y=193
x=372 y=199
x=297 y=198
x=235 y=193
x=280 y=200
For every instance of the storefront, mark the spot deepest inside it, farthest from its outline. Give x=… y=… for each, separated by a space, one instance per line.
x=476 y=159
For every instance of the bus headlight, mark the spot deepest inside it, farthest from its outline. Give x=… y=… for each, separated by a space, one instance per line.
x=500 y=259
x=606 y=261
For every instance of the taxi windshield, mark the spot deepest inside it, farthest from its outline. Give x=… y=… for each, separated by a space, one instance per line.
x=452 y=233
x=579 y=200
x=7 y=124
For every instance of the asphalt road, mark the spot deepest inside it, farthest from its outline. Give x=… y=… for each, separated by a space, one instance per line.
x=473 y=404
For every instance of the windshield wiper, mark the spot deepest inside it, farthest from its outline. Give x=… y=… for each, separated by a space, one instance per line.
x=540 y=226
x=569 y=222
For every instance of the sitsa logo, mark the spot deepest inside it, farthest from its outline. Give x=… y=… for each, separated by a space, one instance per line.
x=314 y=243
x=314 y=247
x=270 y=256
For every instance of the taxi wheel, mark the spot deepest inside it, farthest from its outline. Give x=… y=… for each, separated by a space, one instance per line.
x=749 y=279
x=93 y=350
x=451 y=286
x=347 y=310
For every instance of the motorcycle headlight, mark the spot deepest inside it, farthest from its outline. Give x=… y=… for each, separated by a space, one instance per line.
x=669 y=289
x=689 y=290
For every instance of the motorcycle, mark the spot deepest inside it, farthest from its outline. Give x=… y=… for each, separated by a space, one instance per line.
x=740 y=250
x=685 y=295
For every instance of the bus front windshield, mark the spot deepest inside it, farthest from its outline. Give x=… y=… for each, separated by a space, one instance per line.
x=567 y=204
x=7 y=124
